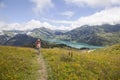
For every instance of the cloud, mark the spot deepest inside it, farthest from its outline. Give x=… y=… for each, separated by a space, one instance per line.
x=41 y=5
x=2 y=25
x=94 y=3
x=107 y=16
x=68 y=13
x=61 y=27
x=30 y=25
x=37 y=24
x=2 y=5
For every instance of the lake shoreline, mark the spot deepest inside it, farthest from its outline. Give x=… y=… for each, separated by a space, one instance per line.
x=74 y=45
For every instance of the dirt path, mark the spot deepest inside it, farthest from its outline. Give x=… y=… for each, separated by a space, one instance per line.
x=42 y=71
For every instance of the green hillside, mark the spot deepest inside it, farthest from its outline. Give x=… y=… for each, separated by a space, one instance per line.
x=95 y=35
x=18 y=63
x=103 y=64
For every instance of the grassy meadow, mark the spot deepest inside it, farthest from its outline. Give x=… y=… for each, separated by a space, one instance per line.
x=18 y=63
x=102 y=64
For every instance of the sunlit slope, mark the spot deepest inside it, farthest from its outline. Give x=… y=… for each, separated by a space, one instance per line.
x=21 y=64
x=101 y=64
x=18 y=63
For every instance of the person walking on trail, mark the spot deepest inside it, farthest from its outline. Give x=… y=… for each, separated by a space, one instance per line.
x=38 y=46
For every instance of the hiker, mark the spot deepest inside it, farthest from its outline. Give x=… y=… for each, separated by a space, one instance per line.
x=38 y=45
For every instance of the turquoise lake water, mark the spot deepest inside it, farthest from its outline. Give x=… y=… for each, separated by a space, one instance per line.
x=74 y=45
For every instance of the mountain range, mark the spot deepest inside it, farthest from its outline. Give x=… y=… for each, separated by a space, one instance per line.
x=25 y=40
x=94 y=35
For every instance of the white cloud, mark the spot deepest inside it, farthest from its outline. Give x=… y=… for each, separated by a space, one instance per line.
x=94 y=3
x=107 y=16
x=41 y=5
x=2 y=25
x=16 y=26
x=61 y=27
x=68 y=13
x=29 y=26
x=37 y=24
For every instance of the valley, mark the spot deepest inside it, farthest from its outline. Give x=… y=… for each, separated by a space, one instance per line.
x=98 y=36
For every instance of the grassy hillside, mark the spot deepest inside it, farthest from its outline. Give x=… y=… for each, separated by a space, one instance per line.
x=101 y=35
x=18 y=63
x=21 y=64
x=101 y=64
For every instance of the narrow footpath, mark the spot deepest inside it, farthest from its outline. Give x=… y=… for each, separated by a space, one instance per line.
x=42 y=71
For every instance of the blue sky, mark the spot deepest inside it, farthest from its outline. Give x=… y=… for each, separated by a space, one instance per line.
x=22 y=10
x=57 y=14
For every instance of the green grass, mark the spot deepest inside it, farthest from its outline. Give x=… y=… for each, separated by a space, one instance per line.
x=21 y=64
x=18 y=63
x=101 y=64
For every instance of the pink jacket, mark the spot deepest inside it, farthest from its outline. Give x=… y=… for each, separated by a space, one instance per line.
x=38 y=44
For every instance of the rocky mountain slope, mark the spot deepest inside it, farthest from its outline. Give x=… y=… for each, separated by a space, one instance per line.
x=95 y=35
